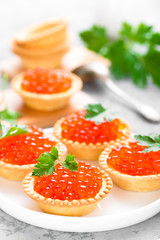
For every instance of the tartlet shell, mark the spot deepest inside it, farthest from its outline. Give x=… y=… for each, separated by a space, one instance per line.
x=18 y=172
x=87 y=151
x=65 y=207
x=46 y=102
x=125 y=181
x=42 y=34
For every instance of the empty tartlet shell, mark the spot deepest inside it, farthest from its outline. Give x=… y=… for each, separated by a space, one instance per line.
x=58 y=49
x=18 y=172
x=43 y=44
x=46 y=102
x=42 y=34
x=128 y=182
x=65 y=207
x=52 y=60
x=87 y=151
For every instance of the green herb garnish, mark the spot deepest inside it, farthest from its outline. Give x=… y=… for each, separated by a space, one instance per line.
x=152 y=142
x=8 y=115
x=135 y=53
x=47 y=162
x=14 y=130
x=97 y=113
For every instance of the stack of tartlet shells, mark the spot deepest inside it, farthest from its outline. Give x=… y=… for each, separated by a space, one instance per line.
x=43 y=44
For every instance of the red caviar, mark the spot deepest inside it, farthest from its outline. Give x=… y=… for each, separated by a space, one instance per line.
x=66 y=185
x=131 y=160
x=46 y=81
x=24 y=148
x=77 y=128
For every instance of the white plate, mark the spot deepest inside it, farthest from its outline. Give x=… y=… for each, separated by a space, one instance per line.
x=120 y=209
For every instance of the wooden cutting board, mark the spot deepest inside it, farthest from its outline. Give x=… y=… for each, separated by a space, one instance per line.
x=44 y=119
x=74 y=58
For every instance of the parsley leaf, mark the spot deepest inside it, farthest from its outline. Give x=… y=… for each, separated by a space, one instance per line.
x=152 y=142
x=96 y=38
x=14 y=130
x=47 y=162
x=135 y=53
x=9 y=115
x=70 y=163
x=97 y=113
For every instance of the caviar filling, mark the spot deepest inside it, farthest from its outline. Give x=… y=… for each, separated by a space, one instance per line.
x=131 y=160
x=46 y=81
x=77 y=128
x=66 y=185
x=24 y=148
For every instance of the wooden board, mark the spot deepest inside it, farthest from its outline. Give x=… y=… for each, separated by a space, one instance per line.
x=44 y=119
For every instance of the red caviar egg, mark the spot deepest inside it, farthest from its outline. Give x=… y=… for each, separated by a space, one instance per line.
x=77 y=128
x=66 y=185
x=131 y=160
x=46 y=81
x=24 y=148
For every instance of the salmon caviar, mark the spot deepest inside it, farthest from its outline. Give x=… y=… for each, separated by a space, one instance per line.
x=46 y=81
x=24 y=148
x=66 y=185
x=131 y=160
x=77 y=128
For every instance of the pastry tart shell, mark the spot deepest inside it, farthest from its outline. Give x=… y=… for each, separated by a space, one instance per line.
x=87 y=151
x=46 y=102
x=43 y=34
x=37 y=53
x=128 y=182
x=18 y=172
x=51 y=60
x=65 y=207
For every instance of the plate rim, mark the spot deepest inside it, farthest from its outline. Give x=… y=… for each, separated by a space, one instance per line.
x=79 y=224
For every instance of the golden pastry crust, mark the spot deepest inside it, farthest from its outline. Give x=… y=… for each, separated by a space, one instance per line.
x=18 y=172
x=125 y=181
x=65 y=207
x=46 y=102
x=42 y=34
x=43 y=45
x=52 y=60
x=87 y=151
x=58 y=49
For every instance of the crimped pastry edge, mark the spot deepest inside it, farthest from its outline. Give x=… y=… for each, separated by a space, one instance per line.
x=16 y=85
x=46 y=102
x=125 y=181
x=30 y=35
x=28 y=184
x=89 y=147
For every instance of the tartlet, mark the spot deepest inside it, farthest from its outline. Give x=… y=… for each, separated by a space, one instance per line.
x=67 y=207
x=17 y=156
x=46 y=101
x=87 y=149
x=44 y=44
x=133 y=173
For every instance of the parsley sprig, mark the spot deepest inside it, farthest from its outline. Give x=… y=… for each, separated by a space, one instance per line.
x=135 y=53
x=47 y=162
x=152 y=142
x=9 y=116
x=97 y=113
x=15 y=129
x=6 y=114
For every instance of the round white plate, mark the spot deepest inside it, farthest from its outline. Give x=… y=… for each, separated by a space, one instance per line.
x=120 y=209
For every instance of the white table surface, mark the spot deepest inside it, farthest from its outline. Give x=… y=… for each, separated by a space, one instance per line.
x=17 y=14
